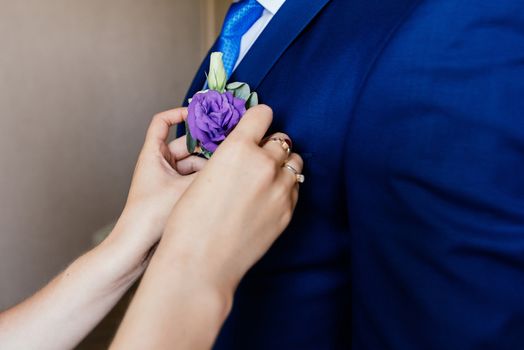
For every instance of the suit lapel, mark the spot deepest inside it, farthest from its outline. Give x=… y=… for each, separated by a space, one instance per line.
x=287 y=25
x=370 y=27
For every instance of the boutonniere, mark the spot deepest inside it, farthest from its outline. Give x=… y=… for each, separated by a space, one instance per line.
x=214 y=113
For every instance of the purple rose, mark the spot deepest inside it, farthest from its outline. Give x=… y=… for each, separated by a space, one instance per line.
x=212 y=116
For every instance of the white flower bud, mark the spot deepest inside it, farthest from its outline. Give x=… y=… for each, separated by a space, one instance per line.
x=217 y=77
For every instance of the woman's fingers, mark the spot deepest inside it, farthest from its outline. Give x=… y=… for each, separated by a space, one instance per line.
x=295 y=160
x=293 y=168
x=190 y=165
x=254 y=124
x=278 y=146
x=185 y=163
x=178 y=148
x=158 y=131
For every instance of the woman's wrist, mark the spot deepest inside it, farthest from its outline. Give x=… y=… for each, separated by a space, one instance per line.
x=183 y=306
x=206 y=299
x=125 y=250
x=114 y=268
x=137 y=230
x=194 y=265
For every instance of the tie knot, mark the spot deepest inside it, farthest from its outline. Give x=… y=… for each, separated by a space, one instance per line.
x=240 y=17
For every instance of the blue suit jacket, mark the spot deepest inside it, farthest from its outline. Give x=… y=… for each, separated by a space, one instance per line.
x=409 y=233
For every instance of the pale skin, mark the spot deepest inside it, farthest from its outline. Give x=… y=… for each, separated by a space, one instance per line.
x=188 y=288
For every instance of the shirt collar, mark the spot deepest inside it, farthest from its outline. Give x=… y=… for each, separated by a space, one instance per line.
x=272 y=5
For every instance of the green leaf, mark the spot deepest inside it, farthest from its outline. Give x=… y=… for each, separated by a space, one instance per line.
x=242 y=92
x=190 y=141
x=252 y=100
x=206 y=153
x=234 y=86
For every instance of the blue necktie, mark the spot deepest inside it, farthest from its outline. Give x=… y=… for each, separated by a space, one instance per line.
x=239 y=19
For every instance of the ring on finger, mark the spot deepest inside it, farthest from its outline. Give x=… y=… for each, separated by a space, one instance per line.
x=300 y=178
x=285 y=144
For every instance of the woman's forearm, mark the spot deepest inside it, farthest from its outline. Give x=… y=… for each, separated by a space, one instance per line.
x=61 y=314
x=178 y=304
x=67 y=309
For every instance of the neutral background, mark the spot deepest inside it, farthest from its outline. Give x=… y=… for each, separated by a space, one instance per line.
x=79 y=82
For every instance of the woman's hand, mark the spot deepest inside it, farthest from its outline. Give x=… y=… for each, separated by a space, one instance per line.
x=70 y=306
x=228 y=218
x=238 y=205
x=162 y=174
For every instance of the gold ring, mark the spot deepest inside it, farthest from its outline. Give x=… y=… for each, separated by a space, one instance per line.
x=299 y=177
x=283 y=143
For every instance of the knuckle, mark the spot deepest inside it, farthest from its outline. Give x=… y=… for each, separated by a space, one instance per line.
x=281 y=135
x=287 y=215
x=268 y=161
x=281 y=195
x=298 y=161
x=267 y=167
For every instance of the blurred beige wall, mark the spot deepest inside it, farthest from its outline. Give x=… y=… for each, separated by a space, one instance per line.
x=213 y=16
x=79 y=82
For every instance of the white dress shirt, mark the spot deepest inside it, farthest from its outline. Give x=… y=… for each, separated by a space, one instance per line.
x=271 y=7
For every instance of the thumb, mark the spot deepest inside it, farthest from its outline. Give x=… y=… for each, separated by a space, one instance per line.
x=254 y=124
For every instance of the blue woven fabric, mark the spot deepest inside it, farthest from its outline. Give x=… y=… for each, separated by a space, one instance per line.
x=239 y=19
